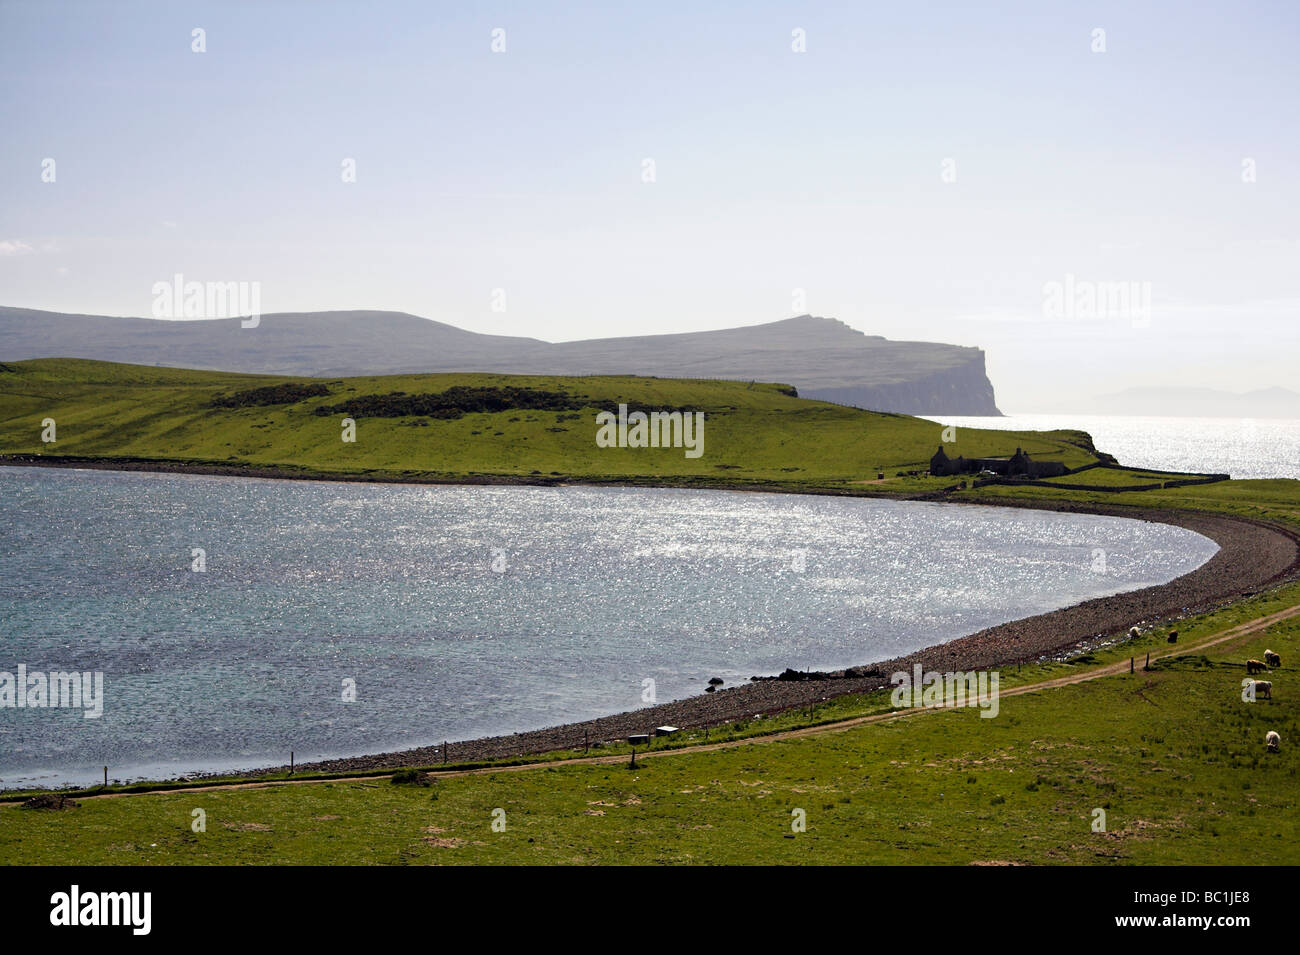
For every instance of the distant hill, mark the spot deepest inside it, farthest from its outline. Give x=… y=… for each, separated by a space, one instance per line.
x=822 y=357
x=1200 y=403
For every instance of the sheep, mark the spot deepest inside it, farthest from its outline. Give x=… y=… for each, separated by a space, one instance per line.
x=1272 y=742
x=1132 y=633
x=1272 y=659
x=1255 y=666
x=1263 y=689
x=1173 y=637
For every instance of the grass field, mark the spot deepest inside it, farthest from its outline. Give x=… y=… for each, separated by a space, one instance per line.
x=753 y=433
x=1173 y=756
x=1110 y=477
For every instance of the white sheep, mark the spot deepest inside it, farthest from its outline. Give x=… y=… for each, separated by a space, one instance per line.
x=1272 y=742
x=1132 y=632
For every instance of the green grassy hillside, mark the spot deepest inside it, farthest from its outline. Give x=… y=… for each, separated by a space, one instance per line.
x=753 y=433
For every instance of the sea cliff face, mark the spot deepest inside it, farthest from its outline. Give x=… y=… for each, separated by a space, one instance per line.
x=965 y=385
x=821 y=357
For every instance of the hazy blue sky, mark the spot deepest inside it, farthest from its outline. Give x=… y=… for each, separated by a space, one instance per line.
x=775 y=170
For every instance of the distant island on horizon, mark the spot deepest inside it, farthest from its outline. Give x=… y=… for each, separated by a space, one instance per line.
x=823 y=358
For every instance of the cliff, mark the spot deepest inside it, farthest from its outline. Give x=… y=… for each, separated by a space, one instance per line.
x=822 y=357
x=964 y=385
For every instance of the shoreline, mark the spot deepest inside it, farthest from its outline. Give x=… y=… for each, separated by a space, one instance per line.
x=1253 y=555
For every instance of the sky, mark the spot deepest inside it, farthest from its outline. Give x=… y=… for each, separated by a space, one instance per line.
x=925 y=171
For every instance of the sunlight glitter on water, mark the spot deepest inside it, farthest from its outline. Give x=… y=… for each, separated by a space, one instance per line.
x=398 y=588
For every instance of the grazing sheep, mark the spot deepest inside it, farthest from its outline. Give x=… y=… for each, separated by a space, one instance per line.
x=1255 y=666
x=1132 y=632
x=1272 y=659
x=1272 y=742
x=1263 y=690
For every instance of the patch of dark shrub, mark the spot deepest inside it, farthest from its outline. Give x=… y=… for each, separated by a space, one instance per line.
x=411 y=777
x=454 y=402
x=50 y=801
